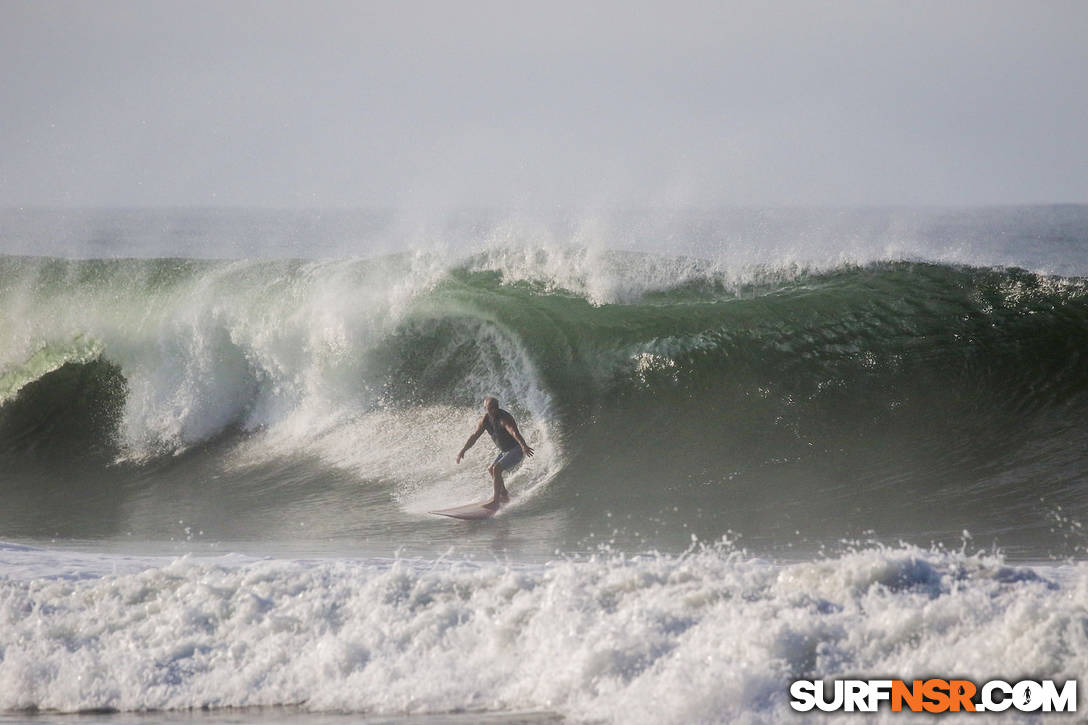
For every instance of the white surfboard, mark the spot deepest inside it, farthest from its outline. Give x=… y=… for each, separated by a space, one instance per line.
x=471 y=512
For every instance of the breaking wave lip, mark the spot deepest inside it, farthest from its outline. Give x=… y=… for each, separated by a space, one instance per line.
x=709 y=635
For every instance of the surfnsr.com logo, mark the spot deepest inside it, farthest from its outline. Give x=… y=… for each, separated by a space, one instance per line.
x=933 y=695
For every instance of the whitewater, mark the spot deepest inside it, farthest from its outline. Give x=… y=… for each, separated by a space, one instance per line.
x=770 y=445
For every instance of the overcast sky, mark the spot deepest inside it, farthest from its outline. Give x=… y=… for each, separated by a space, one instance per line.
x=619 y=103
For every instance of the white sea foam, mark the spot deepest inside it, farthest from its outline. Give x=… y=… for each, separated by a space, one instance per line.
x=711 y=636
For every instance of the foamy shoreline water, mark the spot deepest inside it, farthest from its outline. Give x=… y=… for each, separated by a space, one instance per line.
x=712 y=635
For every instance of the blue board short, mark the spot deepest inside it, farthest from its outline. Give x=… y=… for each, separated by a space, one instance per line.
x=509 y=460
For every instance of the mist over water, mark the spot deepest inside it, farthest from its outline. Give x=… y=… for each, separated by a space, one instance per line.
x=733 y=239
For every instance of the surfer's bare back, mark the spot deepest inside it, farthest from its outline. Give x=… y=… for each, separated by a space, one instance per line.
x=513 y=449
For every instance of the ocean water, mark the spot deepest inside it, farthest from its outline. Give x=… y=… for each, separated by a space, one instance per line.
x=770 y=445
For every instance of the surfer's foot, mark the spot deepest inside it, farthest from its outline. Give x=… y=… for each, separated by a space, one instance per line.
x=503 y=497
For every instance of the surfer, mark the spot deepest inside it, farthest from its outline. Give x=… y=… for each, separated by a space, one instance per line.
x=513 y=449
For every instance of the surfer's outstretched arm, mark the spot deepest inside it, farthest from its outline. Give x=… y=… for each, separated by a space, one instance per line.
x=471 y=440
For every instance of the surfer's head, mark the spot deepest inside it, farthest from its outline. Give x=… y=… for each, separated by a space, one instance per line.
x=491 y=405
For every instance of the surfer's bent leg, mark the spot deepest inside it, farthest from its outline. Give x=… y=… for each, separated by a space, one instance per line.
x=506 y=461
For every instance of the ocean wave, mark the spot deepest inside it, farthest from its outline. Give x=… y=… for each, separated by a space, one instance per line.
x=662 y=385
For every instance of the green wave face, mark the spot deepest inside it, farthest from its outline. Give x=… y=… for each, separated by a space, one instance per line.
x=903 y=397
